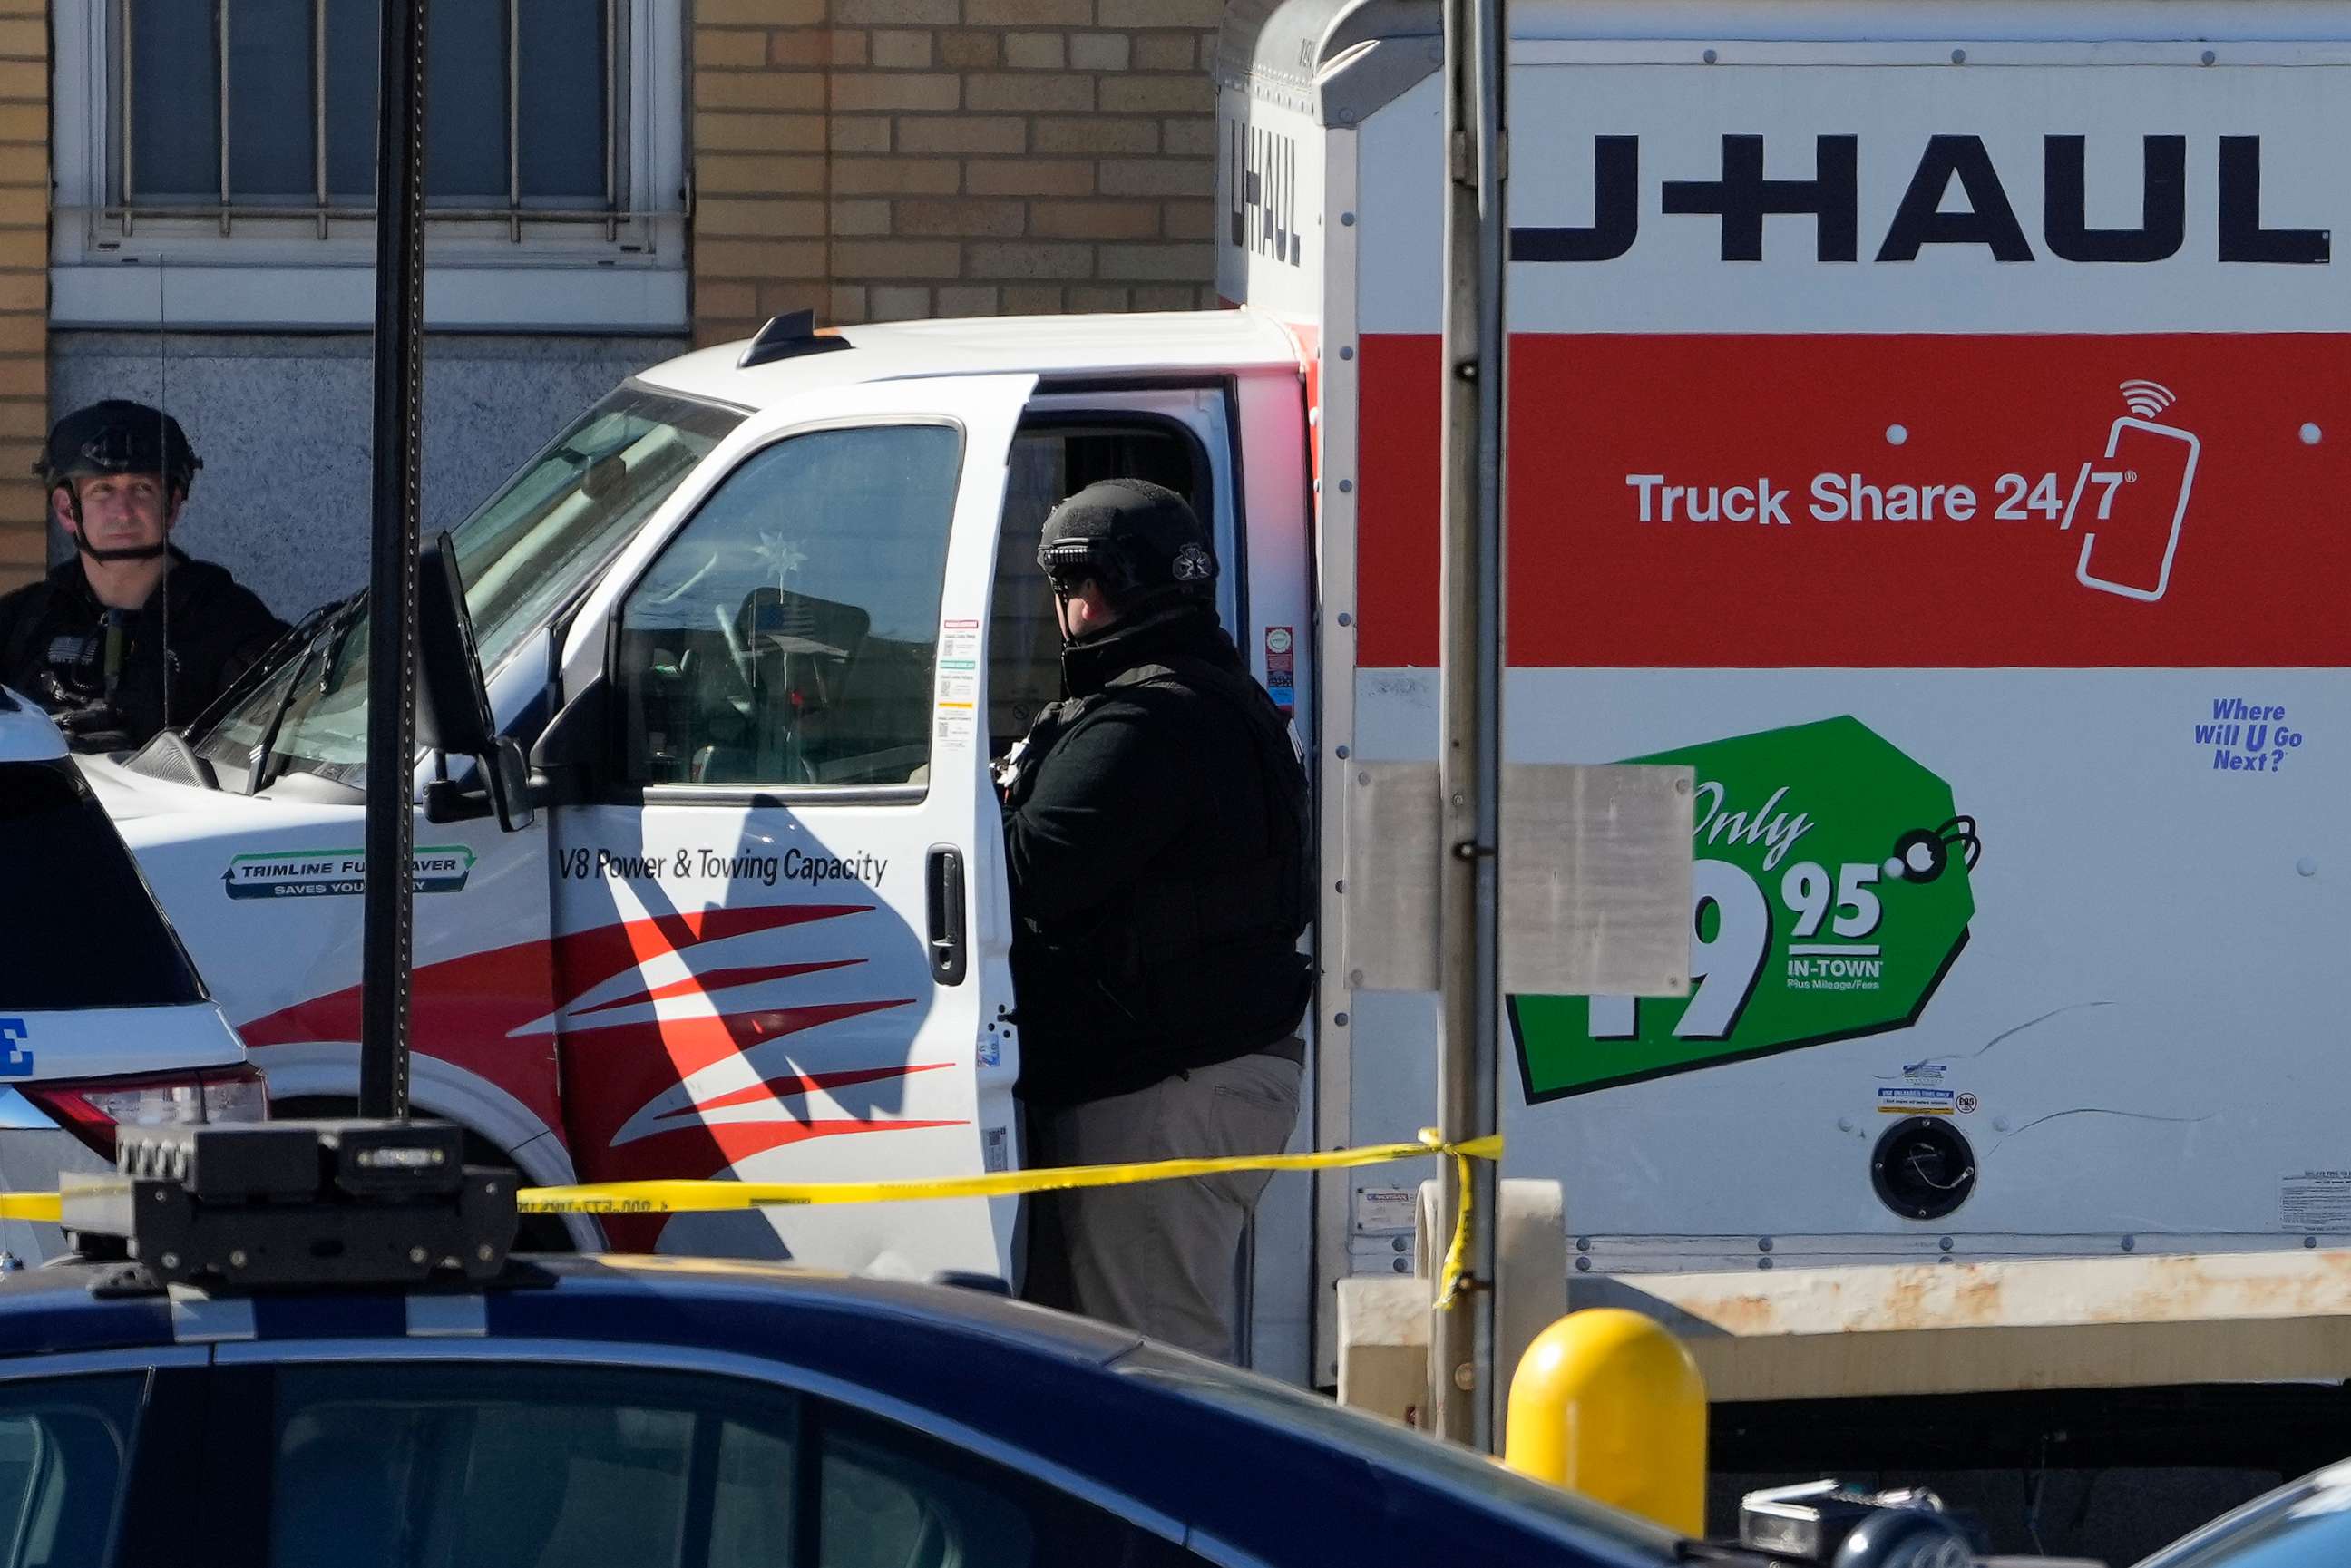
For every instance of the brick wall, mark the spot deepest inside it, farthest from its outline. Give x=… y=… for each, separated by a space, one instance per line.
x=883 y=158
x=24 y=285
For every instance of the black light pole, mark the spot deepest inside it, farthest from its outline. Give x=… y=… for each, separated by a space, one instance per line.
x=392 y=579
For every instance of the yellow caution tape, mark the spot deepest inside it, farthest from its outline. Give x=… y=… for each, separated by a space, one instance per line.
x=712 y=1197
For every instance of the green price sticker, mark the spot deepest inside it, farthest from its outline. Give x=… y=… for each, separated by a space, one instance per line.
x=1829 y=897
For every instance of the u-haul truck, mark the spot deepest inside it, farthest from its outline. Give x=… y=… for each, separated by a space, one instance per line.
x=1928 y=424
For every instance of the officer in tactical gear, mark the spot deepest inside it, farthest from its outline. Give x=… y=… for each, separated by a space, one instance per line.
x=1158 y=831
x=129 y=636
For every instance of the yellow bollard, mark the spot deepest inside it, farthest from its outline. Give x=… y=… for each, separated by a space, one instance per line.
x=1608 y=1404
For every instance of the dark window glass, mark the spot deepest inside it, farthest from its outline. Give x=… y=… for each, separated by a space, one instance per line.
x=174 y=87
x=271 y=131
x=65 y=1446
x=787 y=636
x=78 y=928
x=273 y=118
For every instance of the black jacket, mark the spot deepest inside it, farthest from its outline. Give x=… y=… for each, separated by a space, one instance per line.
x=1158 y=833
x=56 y=628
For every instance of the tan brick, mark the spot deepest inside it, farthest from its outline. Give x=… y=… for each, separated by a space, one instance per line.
x=895 y=176
x=1096 y=220
x=778 y=220
x=24 y=206
x=23 y=291
x=1192 y=135
x=1028 y=92
x=730 y=46
x=963 y=134
x=1158 y=94
x=27 y=82
x=895 y=89
x=1032 y=299
x=1188 y=220
x=755 y=175
x=1165 y=52
x=897 y=259
x=759 y=132
x=1029 y=177
x=1095 y=296
x=1158 y=177
x=758 y=89
x=24 y=416
x=24 y=166
x=816 y=47
x=781 y=296
x=25 y=378
x=896 y=13
x=1035 y=52
x=998 y=259
x=845 y=302
x=860 y=134
x=960 y=216
x=758 y=258
x=23 y=498
x=1094 y=134
x=971 y=51
x=1029 y=13
x=900 y=303
x=1159 y=263
x=966 y=300
x=1099 y=51
x=757 y=12
x=1162 y=13
x=718 y=298
x=712 y=332
x=1167 y=297
x=869 y=217
x=902 y=49
x=24 y=122
x=26 y=246
x=1209 y=63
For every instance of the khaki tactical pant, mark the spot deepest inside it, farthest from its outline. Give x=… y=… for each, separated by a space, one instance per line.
x=1163 y=1257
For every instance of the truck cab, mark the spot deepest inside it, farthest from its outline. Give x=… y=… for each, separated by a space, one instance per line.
x=761 y=619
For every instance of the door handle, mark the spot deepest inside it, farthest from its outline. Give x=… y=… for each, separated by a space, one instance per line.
x=943 y=893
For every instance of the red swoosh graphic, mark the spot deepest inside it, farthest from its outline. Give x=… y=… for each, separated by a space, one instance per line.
x=718 y=980
x=778 y=1088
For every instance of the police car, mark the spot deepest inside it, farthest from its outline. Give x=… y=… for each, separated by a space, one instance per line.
x=103 y=1019
x=304 y=1343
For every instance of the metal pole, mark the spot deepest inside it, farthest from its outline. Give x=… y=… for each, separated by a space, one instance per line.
x=391 y=582
x=1463 y=1393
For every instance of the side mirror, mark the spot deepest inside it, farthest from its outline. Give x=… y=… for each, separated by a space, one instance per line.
x=453 y=707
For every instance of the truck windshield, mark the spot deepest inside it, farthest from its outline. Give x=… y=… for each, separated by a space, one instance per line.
x=524 y=554
x=78 y=926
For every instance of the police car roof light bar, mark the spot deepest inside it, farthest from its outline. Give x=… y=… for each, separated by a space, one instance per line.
x=289 y=1205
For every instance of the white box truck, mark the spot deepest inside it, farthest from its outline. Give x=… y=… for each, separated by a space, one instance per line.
x=1928 y=422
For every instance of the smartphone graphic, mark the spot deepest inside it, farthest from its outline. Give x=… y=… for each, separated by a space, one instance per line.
x=2130 y=507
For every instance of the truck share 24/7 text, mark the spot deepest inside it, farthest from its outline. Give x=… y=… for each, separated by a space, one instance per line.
x=1854 y=497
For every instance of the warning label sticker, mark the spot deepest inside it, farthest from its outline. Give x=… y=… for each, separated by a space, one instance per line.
x=2316 y=1201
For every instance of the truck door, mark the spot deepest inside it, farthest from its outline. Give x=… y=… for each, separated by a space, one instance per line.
x=781 y=922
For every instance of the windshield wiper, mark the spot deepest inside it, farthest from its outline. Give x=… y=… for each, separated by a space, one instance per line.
x=329 y=626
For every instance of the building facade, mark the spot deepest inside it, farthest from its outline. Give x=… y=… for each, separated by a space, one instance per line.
x=186 y=193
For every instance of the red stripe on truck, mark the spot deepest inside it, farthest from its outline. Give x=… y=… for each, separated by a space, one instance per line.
x=1913 y=501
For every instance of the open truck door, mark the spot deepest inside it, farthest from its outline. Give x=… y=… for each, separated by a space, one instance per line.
x=777 y=866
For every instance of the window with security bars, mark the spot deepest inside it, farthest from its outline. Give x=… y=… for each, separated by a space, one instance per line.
x=251 y=109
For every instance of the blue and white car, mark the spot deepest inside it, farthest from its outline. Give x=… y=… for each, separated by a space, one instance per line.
x=103 y=1019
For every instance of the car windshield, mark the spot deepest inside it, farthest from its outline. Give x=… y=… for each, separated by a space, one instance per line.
x=524 y=554
x=2306 y=1524
x=1386 y=1446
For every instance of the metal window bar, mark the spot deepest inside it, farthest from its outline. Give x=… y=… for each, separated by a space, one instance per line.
x=323 y=210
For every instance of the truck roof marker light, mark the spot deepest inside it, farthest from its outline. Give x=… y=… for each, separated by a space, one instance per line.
x=788 y=337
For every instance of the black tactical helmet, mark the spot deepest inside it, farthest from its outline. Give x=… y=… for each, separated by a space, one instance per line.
x=1132 y=538
x=119 y=436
